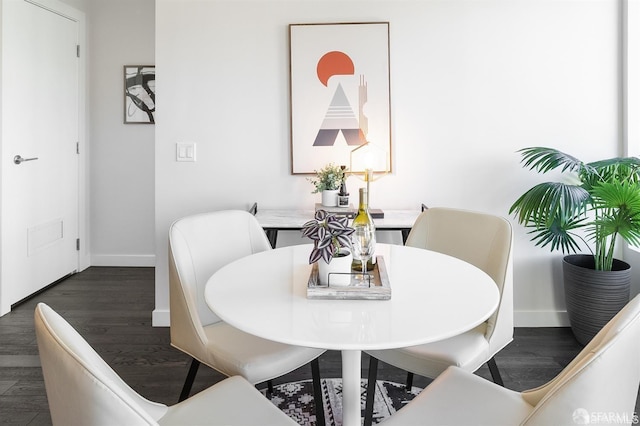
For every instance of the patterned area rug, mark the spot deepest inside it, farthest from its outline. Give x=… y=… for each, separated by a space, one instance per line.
x=296 y=400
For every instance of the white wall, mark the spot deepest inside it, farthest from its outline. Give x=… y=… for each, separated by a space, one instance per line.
x=471 y=83
x=81 y=5
x=121 y=32
x=631 y=98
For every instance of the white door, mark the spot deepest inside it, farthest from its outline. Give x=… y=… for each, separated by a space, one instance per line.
x=40 y=125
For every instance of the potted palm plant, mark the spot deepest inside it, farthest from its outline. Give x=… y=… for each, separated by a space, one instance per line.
x=594 y=209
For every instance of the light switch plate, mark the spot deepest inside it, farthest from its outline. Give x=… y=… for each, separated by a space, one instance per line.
x=186 y=151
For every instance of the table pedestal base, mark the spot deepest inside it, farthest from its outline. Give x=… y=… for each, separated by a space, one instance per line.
x=351 y=372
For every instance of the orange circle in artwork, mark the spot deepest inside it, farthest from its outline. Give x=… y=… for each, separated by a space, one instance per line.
x=334 y=63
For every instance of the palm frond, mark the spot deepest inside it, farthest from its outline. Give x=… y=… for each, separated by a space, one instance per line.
x=617 y=195
x=557 y=235
x=613 y=170
x=619 y=203
x=544 y=159
x=543 y=203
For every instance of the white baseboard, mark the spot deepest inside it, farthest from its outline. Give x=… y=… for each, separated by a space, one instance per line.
x=142 y=260
x=160 y=318
x=540 y=319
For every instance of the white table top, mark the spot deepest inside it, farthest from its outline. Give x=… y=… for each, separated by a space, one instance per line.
x=434 y=297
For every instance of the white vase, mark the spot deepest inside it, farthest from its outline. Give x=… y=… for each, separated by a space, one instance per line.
x=330 y=198
x=340 y=269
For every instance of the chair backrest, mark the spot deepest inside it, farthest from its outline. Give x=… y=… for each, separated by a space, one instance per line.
x=81 y=388
x=199 y=245
x=600 y=385
x=483 y=240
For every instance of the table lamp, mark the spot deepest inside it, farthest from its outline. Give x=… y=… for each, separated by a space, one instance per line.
x=369 y=162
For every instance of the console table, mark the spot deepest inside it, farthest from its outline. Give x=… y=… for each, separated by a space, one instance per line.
x=274 y=220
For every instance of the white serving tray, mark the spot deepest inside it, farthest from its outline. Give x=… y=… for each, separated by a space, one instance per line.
x=378 y=289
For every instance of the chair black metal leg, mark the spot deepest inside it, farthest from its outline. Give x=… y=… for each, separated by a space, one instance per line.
x=409 y=383
x=371 y=390
x=191 y=375
x=272 y=236
x=495 y=373
x=317 y=391
x=405 y=235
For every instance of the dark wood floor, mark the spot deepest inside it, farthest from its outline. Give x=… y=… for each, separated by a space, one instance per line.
x=111 y=308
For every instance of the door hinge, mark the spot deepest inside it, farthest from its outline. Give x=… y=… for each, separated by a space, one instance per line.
x=77 y=147
x=78 y=244
x=78 y=50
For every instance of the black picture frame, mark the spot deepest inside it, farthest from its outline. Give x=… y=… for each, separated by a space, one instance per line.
x=139 y=94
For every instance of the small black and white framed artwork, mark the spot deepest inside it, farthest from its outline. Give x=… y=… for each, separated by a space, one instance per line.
x=139 y=94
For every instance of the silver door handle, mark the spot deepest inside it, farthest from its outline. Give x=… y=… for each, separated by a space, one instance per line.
x=18 y=159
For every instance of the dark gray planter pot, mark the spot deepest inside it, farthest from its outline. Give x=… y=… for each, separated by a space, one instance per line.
x=593 y=297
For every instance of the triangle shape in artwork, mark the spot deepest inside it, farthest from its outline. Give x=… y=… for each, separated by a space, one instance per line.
x=339 y=117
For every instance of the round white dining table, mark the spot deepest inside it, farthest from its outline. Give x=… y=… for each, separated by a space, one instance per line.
x=433 y=297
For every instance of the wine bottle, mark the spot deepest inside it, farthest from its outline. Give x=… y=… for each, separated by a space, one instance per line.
x=363 y=219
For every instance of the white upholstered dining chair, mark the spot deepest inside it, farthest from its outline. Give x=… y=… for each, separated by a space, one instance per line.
x=599 y=386
x=83 y=390
x=198 y=246
x=485 y=241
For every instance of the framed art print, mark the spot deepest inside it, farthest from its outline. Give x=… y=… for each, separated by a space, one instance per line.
x=139 y=94
x=340 y=93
